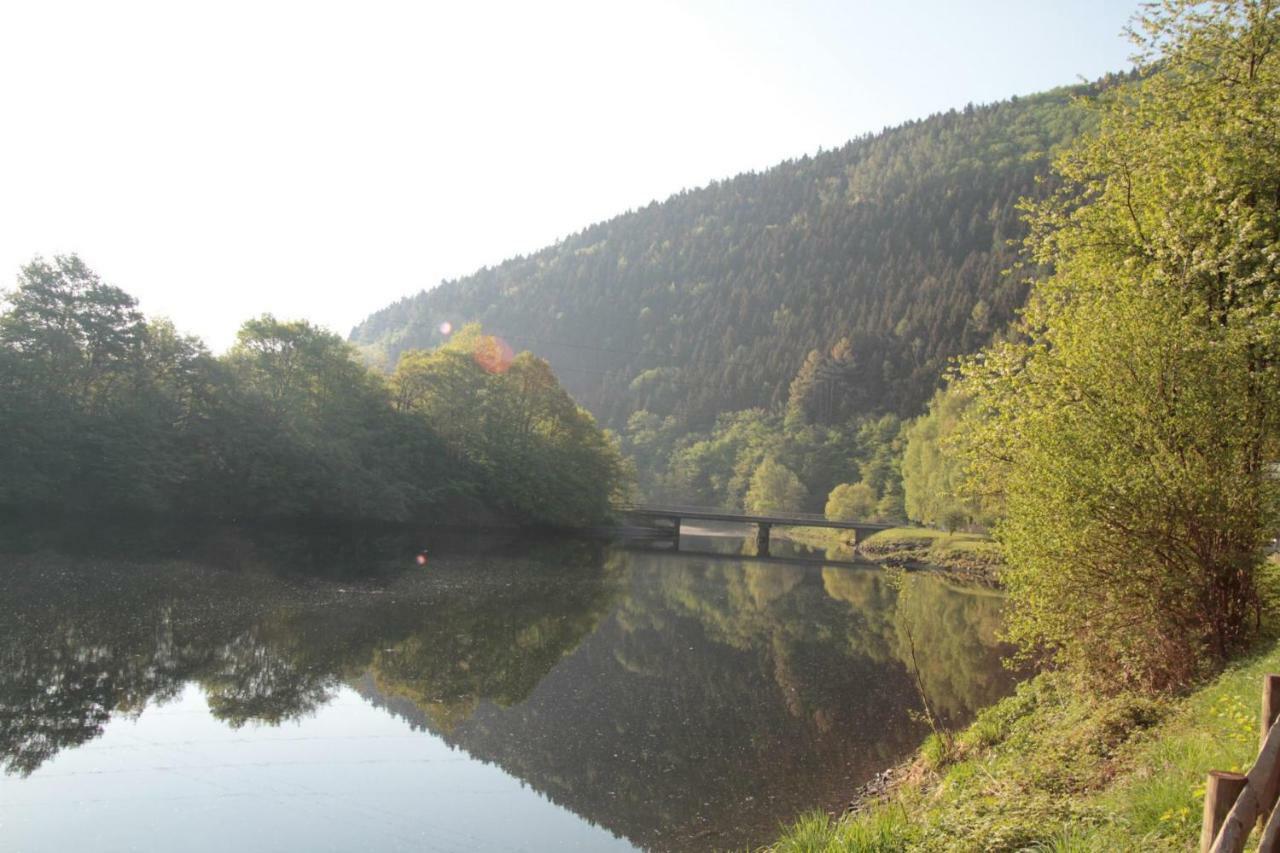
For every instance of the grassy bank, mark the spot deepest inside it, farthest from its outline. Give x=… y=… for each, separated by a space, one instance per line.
x=1048 y=769
x=968 y=555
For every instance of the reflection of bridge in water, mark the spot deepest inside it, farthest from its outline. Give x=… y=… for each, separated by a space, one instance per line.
x=673 y=516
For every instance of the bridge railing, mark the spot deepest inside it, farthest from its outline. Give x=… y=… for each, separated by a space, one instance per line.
x=652 y=507
x=798 y=518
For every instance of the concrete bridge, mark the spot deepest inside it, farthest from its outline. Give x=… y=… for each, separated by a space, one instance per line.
x=675 y=515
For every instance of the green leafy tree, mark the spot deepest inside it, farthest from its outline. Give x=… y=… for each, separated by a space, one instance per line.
x=933 y=471
x=648 y=442
x=880 y=444
x=79 y=430
x=892 y=507
x=100 y=409
x=304 y=423
x=540 y=453
x=803 y=391
x=1131 y=428
x=83 y=337
x=851 y=502
x=775 y=488
x=717 y=468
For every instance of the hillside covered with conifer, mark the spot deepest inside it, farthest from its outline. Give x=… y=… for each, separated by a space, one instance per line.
x=864 y=269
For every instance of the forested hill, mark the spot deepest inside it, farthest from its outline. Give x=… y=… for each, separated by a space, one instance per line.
x=712 y=300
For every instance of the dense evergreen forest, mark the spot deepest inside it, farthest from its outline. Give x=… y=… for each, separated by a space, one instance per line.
x=890 y=250
x=102 y=410
x=795 y=317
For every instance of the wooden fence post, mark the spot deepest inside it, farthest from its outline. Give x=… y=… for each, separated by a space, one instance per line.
x=1270 y=841
x=1270 y=705
x=1270 y=709
x=1220 y=793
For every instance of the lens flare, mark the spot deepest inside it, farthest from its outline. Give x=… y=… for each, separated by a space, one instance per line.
x=493 y=354
x=446 y=328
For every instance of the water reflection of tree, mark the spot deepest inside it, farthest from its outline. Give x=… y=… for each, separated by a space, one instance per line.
x=724 y=697
x=92 y=640
x=865 y=612
x=955 y=634
x=256 y=677
x=71 y=657
x=716 y=697
x=494 y=647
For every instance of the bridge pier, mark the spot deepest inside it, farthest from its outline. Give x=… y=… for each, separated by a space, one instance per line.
x=675 y=531
x=762 y=538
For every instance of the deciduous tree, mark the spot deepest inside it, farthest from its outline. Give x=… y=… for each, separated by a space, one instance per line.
x=775 y=488
x=1130 y=429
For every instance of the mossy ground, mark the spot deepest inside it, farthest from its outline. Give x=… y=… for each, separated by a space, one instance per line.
x=1050 y=769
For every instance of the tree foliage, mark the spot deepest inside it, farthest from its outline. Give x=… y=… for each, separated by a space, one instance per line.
x=933 y=471
x=1131 y=430
x=775 y=489
x=831 y=289
x=102 y=410
x=714 y=468
x=512 y=420
x=77 y=334
x=851 y=502
x=883 y=256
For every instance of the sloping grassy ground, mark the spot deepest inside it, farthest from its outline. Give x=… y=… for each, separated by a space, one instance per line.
x=1050 y=770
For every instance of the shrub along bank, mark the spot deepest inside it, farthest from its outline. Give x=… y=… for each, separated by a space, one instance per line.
x=1051 y=769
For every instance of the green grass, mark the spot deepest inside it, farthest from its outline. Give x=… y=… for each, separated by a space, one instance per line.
x=969 y=554
x=879 y=832
x=1048 y=769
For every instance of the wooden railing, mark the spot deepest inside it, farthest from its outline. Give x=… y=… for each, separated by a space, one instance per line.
x=1234 y=803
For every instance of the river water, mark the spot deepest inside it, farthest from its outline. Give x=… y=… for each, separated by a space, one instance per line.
x=246 y=690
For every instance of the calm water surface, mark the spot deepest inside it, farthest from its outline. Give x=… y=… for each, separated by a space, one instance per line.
x=288 y=692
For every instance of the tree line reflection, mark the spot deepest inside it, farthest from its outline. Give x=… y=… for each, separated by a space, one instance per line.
x=677 y=702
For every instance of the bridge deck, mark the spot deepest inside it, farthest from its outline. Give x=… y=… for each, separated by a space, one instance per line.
x=707 y=514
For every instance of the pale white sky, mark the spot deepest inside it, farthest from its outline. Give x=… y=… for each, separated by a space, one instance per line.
x=320 y=160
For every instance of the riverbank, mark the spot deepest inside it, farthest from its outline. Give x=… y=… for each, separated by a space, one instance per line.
x=967 y=556
x=971 y=556
x=1049 y=769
